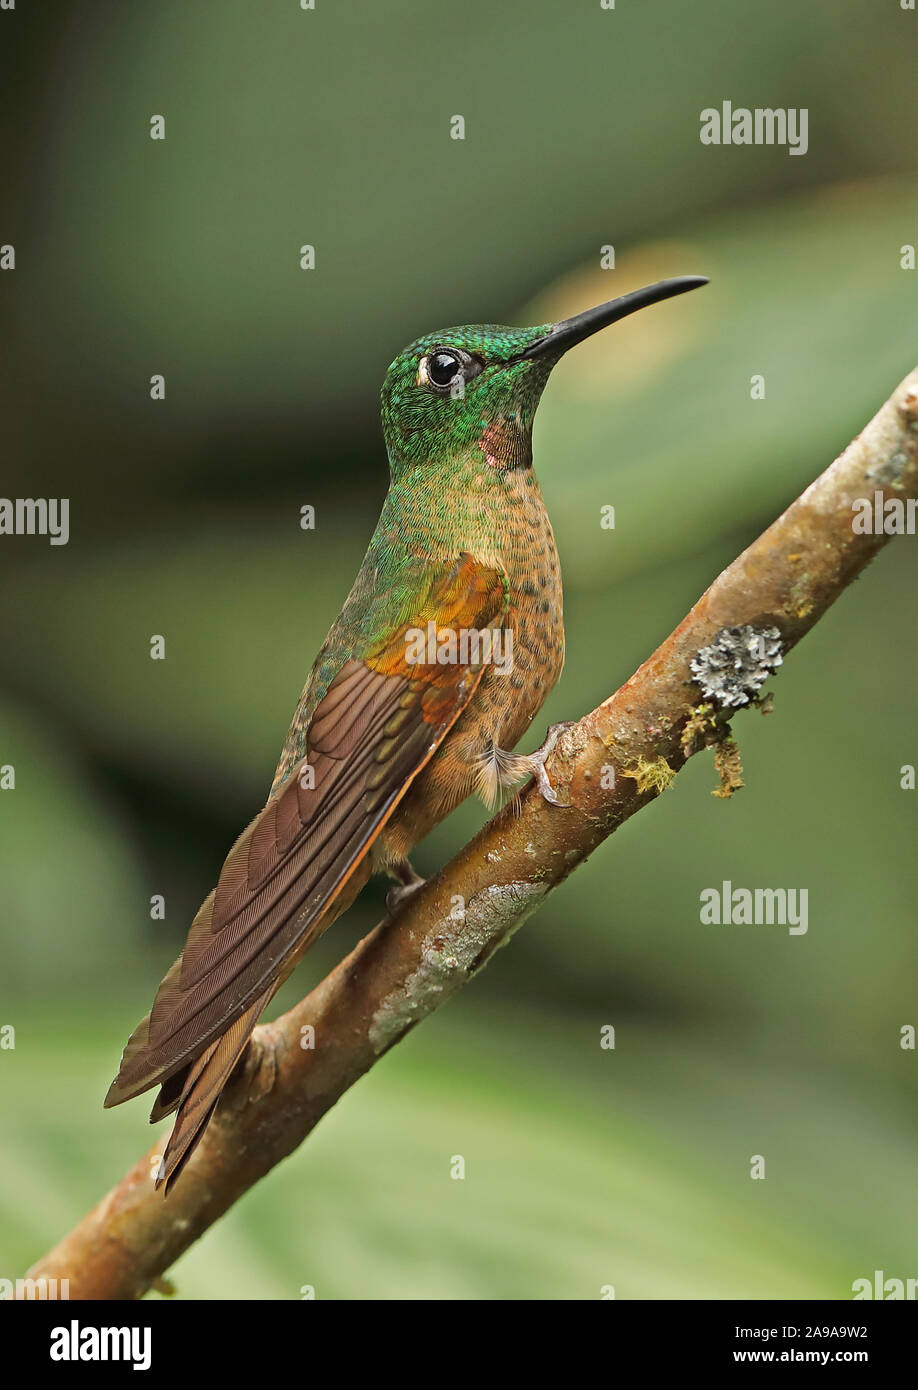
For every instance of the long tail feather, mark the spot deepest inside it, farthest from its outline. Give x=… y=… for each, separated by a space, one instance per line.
x=204 y=1081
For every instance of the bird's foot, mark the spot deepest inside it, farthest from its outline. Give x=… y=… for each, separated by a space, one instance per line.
x=539 y=758
x=408 y=884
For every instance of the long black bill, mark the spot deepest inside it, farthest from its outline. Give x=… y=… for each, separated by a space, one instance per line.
x=570 y=331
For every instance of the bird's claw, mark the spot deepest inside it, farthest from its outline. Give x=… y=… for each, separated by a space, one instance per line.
x=541 y=756
x=408 y=885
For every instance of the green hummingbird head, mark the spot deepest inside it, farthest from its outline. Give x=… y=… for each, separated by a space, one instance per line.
x=477 y=387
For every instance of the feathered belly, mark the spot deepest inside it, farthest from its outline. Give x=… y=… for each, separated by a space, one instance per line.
x=507 y=699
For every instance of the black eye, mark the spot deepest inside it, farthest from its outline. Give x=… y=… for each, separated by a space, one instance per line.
x=447 y=369
x=442 y=367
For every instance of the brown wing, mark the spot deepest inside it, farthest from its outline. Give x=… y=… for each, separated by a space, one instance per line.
x=379 y=723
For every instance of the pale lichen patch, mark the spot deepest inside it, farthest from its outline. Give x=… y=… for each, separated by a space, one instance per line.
x=889 y=471
x=451 y=953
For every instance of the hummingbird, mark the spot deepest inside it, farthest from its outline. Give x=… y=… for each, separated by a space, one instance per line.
x=406 y=711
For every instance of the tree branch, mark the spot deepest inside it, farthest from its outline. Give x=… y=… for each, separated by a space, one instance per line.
x=412 y=963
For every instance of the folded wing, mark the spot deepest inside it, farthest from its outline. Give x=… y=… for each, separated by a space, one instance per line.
x=380 y=721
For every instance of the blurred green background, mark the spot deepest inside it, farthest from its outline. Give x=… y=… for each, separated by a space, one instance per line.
x=585 y=1167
